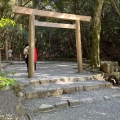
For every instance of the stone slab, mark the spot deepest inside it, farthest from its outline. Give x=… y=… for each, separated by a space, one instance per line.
x=47 y=90
x=66 y=100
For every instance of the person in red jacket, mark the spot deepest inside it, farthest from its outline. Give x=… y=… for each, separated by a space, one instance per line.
x=35 y=57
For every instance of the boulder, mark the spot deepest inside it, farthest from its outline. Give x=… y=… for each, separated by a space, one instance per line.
x=109 y=66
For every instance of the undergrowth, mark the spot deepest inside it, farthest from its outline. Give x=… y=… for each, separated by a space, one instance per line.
x=5 y=81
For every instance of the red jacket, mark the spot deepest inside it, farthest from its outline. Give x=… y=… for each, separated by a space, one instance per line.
x=35 y=54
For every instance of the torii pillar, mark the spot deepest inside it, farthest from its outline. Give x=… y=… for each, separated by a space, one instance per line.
x=56 y=15
x=31 y=46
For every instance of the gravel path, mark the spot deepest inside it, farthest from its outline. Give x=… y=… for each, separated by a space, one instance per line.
x=102 y=110
x=8 y=102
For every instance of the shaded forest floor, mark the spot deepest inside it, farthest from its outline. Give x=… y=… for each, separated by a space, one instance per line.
x=110 y=51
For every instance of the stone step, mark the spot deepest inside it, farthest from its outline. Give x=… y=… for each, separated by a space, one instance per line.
x=56 y=89
x=23 y=82
x=66 y=79
x=74 y=99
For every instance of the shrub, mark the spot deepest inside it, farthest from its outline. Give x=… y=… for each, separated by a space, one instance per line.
x=4 y=81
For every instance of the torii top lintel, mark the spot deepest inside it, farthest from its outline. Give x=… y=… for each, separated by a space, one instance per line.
x=29 y=11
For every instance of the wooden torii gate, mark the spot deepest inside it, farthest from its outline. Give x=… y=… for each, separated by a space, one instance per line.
x=64 y=16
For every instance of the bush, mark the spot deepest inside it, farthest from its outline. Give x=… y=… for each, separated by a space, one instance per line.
x=4 y=81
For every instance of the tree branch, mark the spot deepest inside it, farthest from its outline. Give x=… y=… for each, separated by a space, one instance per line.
x=116 y=10
x=26 y=3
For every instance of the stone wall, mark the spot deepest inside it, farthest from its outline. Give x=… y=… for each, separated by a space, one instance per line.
x=111 y=70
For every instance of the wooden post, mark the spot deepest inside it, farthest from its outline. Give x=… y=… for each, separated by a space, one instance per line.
x=6 y=49
x=78 y=46
x=31 y=46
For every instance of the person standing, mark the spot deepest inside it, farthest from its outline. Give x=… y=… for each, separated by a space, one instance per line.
x=26 y=52
x=35 y=57
x=10 y=54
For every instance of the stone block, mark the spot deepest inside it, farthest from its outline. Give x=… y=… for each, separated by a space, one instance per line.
x=88 y=87
x=45 y=107
x=109 y=66
x=55 y=81
x=83 y=78
x=73 y=79
x=73 y=102
x=106 y=97
x=64 y=79
x=54 y=92
x=98 y=77
x=20 y=94
x=62 y=104
x=42 y=94
x=101 y=85
x=79 y=88
x=69 y=90
x=31 y=95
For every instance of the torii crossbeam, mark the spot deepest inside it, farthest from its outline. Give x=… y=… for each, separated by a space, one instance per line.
x=56 y=15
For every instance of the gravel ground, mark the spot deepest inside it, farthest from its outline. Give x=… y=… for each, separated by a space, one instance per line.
x=8 y=102
x=102 y=110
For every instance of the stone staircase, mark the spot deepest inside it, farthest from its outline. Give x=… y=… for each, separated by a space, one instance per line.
x=51 y=96
x=54 y=94
x=65 y=88
x=55 y=89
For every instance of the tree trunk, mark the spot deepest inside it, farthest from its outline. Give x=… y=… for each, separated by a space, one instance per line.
x=95 y=50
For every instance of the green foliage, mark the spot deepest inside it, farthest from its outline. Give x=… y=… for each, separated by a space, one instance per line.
x=6 y=22
x=4 y=81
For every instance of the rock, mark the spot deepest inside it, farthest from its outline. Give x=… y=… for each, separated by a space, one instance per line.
x=20 y=94
x=61 y=104
x=73 y=102
x=45 y=107
x=109 y=66
x=68 y=90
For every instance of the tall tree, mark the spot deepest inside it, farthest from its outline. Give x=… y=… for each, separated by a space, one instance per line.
x=95 y=48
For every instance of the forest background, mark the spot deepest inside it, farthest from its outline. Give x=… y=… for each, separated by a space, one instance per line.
x=57 y=43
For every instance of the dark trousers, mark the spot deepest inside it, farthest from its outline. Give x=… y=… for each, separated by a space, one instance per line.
x=26 y=61
x=35 y=65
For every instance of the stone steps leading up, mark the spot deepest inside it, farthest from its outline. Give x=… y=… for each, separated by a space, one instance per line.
x=67 y=100
x=58 y=85
x=66 y=79
x=56 y=89
x=23 y=82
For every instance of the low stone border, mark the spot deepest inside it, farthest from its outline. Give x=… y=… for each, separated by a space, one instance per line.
x=73 y=103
